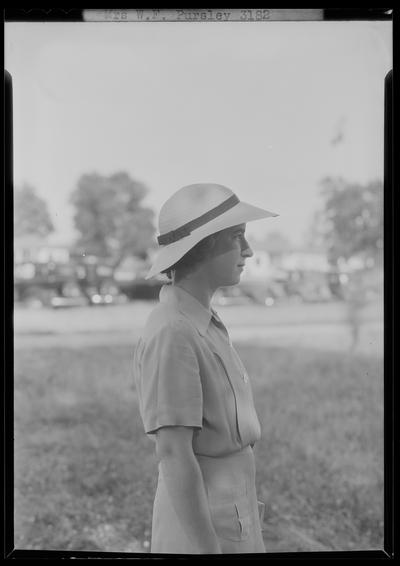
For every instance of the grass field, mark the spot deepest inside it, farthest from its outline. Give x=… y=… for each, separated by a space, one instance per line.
x=85 y=472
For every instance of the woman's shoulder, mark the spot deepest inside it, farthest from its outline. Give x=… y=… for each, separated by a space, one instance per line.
x=166 y=320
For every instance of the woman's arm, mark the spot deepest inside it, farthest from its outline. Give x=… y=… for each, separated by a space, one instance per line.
x=184 y=482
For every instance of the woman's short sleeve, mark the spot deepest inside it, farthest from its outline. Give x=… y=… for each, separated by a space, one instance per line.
x=169 y=380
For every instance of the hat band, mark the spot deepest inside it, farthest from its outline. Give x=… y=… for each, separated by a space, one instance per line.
x=186 y=229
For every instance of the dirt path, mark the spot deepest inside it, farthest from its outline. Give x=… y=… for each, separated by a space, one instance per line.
x=306 y=326
x=329 y=337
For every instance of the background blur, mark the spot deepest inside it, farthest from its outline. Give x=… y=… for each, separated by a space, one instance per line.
x=109 y=120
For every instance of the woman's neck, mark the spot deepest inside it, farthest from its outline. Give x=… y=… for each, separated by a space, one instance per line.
x=198 y=287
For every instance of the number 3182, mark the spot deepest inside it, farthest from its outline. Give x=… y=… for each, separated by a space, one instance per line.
x=255 y=15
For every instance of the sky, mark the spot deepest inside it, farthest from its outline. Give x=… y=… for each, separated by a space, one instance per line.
x=265 y=108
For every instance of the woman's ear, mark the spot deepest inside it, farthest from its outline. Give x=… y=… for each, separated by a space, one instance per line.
x=212 y=241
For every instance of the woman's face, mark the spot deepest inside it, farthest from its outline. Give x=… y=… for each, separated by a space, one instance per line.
x=226 y=261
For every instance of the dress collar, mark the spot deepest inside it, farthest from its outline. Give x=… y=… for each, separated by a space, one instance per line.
x=188 y=305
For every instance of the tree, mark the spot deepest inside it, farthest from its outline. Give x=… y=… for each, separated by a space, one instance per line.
x=110 y=218
x=351 y=221
x=31 y=215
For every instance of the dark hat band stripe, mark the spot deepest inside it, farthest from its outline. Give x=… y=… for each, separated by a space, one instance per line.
x=186 y=229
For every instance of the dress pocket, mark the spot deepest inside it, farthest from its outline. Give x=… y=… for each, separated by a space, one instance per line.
x=231 y=519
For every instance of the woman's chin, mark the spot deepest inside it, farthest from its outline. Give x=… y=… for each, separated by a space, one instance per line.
x=235 y=279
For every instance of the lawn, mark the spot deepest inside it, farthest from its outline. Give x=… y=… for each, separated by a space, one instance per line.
x=85 y=472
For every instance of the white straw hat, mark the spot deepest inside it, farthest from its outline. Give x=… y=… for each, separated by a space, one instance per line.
x=195 y=212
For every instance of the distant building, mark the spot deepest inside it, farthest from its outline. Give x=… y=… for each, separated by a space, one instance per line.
x=305 y=261
x=259 y=266
x=37 y=249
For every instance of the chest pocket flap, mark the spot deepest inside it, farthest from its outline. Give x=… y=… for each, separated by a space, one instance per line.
x=247 y=420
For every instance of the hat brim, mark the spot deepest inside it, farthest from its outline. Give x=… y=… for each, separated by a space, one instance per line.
x=241 y=213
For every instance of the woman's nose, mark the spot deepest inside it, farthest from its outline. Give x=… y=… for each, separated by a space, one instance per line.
x=247 y=252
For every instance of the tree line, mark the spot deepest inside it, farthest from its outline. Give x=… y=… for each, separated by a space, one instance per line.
x=112 y=221
x=109 y=216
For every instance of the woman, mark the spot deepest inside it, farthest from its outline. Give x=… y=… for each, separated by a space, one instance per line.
x=194 y=393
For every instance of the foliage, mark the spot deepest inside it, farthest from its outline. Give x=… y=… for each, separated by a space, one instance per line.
x=351 y=222
x=31 y=215
x=110 y=218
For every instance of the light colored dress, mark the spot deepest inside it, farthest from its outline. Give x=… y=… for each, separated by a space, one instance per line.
x=187 y=373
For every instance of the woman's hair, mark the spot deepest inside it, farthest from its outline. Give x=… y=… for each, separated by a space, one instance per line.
x=192 y=258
